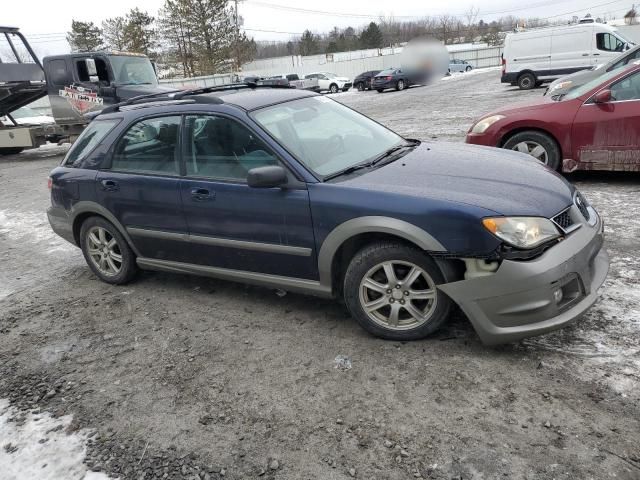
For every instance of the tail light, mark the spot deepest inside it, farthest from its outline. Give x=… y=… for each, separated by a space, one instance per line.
x=389 y=77
x=504 y=66
x=49 y=183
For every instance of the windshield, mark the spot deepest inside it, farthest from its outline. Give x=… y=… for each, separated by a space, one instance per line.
x=129 y=70
x=582 y=89
x=324 y=135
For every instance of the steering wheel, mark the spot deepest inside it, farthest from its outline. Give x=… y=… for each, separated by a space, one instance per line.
x=335 y=144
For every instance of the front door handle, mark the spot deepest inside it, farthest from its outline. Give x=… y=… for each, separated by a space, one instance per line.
x=586 y=54
x=596 y=54
x=110 y=185
x=201 y=194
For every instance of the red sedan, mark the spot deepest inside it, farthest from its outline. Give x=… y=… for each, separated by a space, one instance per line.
x=593 y=127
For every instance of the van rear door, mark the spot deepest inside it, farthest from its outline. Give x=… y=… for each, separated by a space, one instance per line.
x=571 y=50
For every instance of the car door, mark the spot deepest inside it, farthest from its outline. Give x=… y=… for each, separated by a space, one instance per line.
x=140 y=186
x=607 y=135
x=323 y=82
x=232 y=225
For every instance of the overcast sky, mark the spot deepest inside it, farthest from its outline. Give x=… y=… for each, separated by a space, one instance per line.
x=45 y=21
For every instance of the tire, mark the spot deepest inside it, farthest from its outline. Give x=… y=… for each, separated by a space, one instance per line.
x=400 y=85
x=430 y=312
x=526 y=81
x=11 y=150
x=89 y=233
x=468 y=69
x=379 y=90
x=333 y=88
x=360 y=87
x=531 y=140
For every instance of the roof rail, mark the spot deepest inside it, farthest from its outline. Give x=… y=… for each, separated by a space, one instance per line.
x=179 y=94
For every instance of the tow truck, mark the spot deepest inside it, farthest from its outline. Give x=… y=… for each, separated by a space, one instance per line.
x=76 y=85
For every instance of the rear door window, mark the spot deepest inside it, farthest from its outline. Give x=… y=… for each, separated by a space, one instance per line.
x=149 y=146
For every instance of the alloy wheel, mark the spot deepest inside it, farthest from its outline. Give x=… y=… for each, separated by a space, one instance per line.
x=398 y=295
x=534 y=149
x=104 y=251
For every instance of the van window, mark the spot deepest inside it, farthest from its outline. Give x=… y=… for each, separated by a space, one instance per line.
x=609 y=42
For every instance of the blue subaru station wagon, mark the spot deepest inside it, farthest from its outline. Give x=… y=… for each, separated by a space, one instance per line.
x=288 y=189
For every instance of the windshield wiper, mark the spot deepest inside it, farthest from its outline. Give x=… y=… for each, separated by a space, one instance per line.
x=372 y=163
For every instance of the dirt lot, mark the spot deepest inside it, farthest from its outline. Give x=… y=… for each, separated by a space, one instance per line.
x=185 y=377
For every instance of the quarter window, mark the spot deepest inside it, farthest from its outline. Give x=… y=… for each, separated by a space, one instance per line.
x=609 y=43
x=224 y=149
x=149 y=146
x=92 y=135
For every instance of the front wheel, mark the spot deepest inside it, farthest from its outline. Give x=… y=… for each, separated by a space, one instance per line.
x=400 y=85
x=468 y=69
x=360 y=87
x=391 y=290
x=537 y=144
x=379 y=90
x=333 y=88
x=106 y=251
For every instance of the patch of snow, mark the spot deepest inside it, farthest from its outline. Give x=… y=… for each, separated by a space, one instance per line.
x=36 y=446
x=32 y=227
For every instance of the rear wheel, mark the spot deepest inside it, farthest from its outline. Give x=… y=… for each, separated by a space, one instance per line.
x=379 y=90
x=106 y=251
x=526 y=81
x=400 y=85
x=537 y=144
x=391 y=290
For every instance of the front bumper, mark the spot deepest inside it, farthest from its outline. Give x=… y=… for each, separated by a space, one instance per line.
x=517 y=301
x=481 y=139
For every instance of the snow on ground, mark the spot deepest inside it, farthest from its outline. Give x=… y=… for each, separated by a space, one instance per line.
x=36 y=446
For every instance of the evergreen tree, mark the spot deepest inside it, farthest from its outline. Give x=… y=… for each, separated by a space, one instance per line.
x=84 y=37
x=371 y=37
x=113 y=32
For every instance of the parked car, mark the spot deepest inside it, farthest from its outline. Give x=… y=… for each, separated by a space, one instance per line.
x=593 y=127
x=456 y=65
x=363 y=81
x=566 y=83
x=541 y=55
x=396 y=78
x=291 y=80
x=289 y=189
x=251 y=79
x=330 y=82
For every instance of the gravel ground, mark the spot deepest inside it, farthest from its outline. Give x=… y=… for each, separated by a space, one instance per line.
x=185 y=377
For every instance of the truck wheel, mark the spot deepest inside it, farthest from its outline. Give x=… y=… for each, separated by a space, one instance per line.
x=333 y=88
x=360 y=87
x=390 y=288
x=10 y=150
x=106 y=251
x=526 y=81
x=539 y=145
x=400 y=85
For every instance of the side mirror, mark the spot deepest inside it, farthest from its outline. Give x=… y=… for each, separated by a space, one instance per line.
x=267 y=177
x=91 y=67
x=603 y=96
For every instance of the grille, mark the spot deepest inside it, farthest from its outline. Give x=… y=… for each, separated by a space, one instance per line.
x=563 y=220
x=582 y=205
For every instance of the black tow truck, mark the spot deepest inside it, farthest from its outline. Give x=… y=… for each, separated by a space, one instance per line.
x=76 y=84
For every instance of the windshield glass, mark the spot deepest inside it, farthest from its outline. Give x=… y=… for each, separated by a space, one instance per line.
x=582 y=89
x=324 y=135
x=129 y=70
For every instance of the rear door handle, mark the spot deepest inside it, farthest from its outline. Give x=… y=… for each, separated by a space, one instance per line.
x=596 y=54
x=110 y=185
x=201 y=194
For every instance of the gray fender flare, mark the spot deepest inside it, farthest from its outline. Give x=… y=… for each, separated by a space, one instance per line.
x=373 y=224
x=93 y=207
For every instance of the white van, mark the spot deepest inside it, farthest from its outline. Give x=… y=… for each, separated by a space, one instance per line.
x=536 y=56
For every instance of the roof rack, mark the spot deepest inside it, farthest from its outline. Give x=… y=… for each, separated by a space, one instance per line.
x=180 y=94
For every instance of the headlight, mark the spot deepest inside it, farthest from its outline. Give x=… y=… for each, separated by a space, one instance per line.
x=560 y=85
x=485 y=123
x=522 y=232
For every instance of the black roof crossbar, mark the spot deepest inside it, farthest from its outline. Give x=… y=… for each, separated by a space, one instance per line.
x=173 y=95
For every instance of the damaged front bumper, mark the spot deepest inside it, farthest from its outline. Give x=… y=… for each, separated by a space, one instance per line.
x=526 y=298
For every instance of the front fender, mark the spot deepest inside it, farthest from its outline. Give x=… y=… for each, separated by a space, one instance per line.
x=371 y=224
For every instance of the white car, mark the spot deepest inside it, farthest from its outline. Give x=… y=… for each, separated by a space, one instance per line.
x=28 y=116
x=330 y=82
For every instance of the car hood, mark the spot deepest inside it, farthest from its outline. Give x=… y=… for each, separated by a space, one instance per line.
x=503 y=181
x=519 y=107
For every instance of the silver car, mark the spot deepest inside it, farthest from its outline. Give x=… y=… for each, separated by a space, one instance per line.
x=456 y=65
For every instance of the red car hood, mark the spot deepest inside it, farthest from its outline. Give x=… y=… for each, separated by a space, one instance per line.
x=535 y=104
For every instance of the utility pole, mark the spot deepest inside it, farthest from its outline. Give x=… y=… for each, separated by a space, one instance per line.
x=237 y=62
